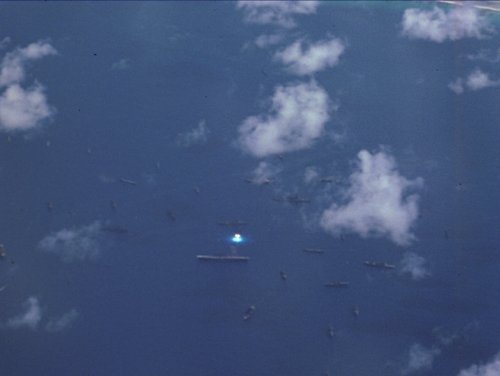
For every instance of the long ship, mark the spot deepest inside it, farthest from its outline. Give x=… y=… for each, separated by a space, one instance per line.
x=222 y=258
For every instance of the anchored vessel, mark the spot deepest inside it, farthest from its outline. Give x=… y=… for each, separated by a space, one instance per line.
x=355 y=310
x=234 y=223
x=337 y=284
x=313 y=250
x=222 y=258
x=249 y=313
x=330 y=331
x=380 y=265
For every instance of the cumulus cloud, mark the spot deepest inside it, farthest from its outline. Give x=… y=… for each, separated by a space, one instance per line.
x=4 y=42
x=13 y=66
x=490 y=369
x=310 y=174
x=305 y=59
x=63 y=322
x=264 y=173
x=414 y=265
x=75 y=244
x=476 y=80
x=420 y=358
x=196 y=136
x=438 y=26
x=266 y=40
x=486 y=55
x=30 y=318
x=377 y=203
x=22 y=109
x=298 y=116
x=279 y=13
x=121 y=64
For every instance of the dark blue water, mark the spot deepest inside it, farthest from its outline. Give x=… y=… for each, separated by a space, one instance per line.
x=146 y=305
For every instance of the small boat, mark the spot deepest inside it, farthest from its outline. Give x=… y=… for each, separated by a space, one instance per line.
x=337 y=284
x=355 y=311
x=128 y=181
x=249 y=313
x=378 y=264
x=313 y=250
x=330 y=331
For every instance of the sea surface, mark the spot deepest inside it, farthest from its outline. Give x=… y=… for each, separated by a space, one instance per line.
x=147 y=305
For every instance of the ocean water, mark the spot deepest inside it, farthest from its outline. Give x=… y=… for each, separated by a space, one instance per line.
x=147 y=306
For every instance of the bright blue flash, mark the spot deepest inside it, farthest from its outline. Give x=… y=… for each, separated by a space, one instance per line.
x=237 y=238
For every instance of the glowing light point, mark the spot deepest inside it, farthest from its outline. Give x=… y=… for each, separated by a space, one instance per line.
x=237 y=238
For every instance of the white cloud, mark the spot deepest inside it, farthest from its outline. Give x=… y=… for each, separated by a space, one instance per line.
x=490 y=369
x=310 y=174
x=121 y=64
x=486 y=55
x=279 y=13
x=420 y=358
x=304 y=59
x=377 y=203
x=438 y=26
x=414 y=265
x=264 y=173
x=4 y=42
x=479 y=80
x=30 y=318
x=23 y=109
x=298 y=116
x=196 y=136
x=62 y=322
x=476 y=80
x=266 y=40
x=76 y=244
x=457 y=86
x=13 y=66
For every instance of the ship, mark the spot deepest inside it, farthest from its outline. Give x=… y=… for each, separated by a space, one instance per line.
x=378 y=264
x=337 y=284
x=313 y=250
x=222 y=258
x=249 y=313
